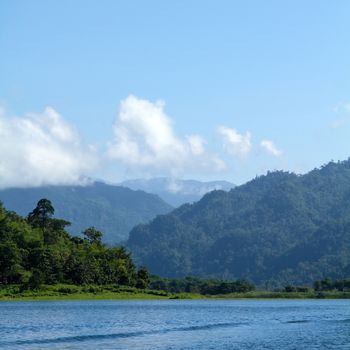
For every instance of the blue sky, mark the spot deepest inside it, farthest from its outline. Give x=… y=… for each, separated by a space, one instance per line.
x=246 y=86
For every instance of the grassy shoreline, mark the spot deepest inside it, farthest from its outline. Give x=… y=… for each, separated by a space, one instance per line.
x=72 y=292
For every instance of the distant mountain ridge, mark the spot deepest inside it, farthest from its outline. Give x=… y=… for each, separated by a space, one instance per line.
x=175 y=191
x=276 y=229
x=114 y=210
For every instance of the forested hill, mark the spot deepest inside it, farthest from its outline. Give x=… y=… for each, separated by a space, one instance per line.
x=276 y=229
x=112 y=209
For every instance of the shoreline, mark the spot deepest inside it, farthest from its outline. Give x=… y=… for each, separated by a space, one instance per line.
x=58 y=293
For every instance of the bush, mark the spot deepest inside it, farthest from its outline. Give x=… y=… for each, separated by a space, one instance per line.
x=67 y=290
x=36 y=280
x=290 y=289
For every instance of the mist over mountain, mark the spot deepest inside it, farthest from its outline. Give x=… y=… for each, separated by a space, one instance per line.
x=175 y=191
x=276 y=229
x=114 y=210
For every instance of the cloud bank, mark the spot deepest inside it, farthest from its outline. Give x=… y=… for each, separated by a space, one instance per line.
x=144 y=139
x=41 y=149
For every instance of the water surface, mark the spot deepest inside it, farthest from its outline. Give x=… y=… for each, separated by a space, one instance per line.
x=172 y=325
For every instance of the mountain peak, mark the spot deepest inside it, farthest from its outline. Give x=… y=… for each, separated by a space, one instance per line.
x=176 y=191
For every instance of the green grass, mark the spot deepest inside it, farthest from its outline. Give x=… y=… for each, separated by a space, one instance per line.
x=73 y=292
x=112 y=292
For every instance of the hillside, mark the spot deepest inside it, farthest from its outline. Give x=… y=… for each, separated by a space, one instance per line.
x=276 y=229
x=114 y=210
x=175 y=191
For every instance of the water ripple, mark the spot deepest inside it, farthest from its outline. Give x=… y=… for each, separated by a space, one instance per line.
x=82 y=338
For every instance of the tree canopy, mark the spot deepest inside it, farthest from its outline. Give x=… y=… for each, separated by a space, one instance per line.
x=38 y=249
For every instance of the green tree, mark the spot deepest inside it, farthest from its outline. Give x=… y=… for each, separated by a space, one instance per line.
x=93 y=235
x=36 y=279
x=143 y=278
x=289 y=289
x=10 y=260
x=41 y=215
x=39 y=251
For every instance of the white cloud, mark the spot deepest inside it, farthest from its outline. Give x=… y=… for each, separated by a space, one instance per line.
x=235 y=143
x=196 y=144
x=271 y=148
x=144 y=140
x=40 y=149
x=174 y=186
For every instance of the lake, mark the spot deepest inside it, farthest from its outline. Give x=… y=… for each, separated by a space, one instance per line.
x=234 y=324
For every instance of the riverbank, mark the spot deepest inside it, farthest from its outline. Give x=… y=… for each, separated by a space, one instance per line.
x=72 y=292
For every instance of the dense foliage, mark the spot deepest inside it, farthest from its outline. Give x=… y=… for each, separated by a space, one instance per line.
x=327 y=284
x=38 y=249
x=200 y=286
x=275 y=230
x=112 y=209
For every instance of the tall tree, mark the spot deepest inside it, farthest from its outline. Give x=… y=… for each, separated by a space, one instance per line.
x=40 y=216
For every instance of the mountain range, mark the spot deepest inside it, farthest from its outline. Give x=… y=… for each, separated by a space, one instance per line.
x=276 y=229
x=175 y=191
x=114 y=210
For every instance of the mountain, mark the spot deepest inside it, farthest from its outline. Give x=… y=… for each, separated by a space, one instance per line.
x=276 y=229
x=177 y=192
x=114 y=210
